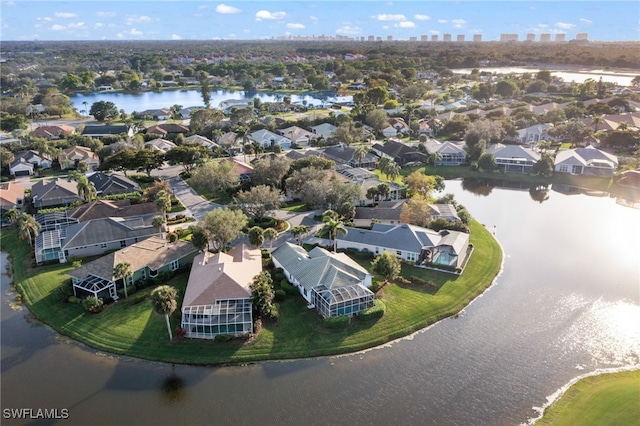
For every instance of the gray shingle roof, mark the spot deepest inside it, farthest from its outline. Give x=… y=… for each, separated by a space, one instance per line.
x=319 y=267
x=108 y=229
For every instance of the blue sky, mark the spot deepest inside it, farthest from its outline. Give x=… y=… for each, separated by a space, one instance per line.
x=207 y=20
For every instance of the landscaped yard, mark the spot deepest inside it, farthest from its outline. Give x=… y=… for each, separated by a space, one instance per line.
x=135 y=330
x=604 y=400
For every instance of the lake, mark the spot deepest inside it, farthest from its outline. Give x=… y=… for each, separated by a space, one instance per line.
x=575 y=75
x=567 y=303
x=141 y=101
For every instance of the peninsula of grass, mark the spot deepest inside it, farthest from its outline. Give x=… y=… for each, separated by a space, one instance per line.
x=603 y=400
x=130 y=327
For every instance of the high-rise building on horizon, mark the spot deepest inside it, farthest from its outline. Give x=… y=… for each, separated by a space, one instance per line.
x=545 y=38
x=371 y=38
x=460 y=38
x=434 y=37
x=582 y=36
x=531 y=37
x=389 y=38
x=446 y=37
x=560 y=37
x=424 y=38
x=508 y=37
x=477 y=38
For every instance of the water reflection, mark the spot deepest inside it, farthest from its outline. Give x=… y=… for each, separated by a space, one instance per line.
x=539 y=193
x=174 y=387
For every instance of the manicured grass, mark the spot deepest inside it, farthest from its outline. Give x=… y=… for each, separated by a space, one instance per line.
x=135 y=330
x=296 y=207
x=604 y=400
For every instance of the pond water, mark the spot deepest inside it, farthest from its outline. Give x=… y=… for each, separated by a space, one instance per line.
x=575 y=75
x=567 y=303
x=142 y=101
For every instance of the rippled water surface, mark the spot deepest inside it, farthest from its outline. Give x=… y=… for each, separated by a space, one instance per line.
x=567 y=303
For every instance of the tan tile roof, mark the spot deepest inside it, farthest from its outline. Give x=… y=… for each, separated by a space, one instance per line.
x=222 y=276
x=10 y=192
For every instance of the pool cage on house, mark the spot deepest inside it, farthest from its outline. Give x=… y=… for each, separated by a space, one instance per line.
x=99 y=287
x=347 y=300
x=226 y=316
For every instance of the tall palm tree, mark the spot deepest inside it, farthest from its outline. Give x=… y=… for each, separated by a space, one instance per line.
x=163 y=300
x=243 y=134
x=270 y=234
x=28 y=228
x=393 y=171
x=596 y=122
x=123 y=271
x=360 y=152
x=333 y=228
x=299 y=231
x=11 y=215
x=158 y=222
x=86 y=189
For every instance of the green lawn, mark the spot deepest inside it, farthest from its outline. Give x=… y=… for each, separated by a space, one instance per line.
x=134 y=330
x=295 y=206
x=604 y=400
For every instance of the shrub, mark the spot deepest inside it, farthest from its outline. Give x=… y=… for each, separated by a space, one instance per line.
x=337 y=322
x=179 y=232
x=279 y=276
x=92 y=304
x=136 y=298
x=65 y=291
x=180 y=332
x=74 y=299
x=288 y=288
x=376 y=311
x=223 y=338
x=172 y=237
x=280 y=295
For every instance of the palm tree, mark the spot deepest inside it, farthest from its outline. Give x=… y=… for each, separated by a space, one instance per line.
x=360 y=152
x=163 y=300
x=243 y=134
x=299 y=231
x=256 y=236
x=158 y=222
x=393 y=171
x=333 y=228
x=11 y=215
x=86 y=189
x=86 y=110
x=372 y=194
x=270 y=234
x=175 y=111
x=123 y=271
x=596 y=122
x=28 y=228
x=383 y=190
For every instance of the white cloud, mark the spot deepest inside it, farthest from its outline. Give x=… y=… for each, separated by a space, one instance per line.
x=131 y=19
x=58 y=27
x=348 y=29
x=65 y=15
x=105 y=14
x=458 y=23
x=76 y=25
x=45 y=19
x=293 y=26
x=265 y=14
x=405 y=24
x=434 y=32
x=389 y=17
x=135 y=32
x=586 y=21
x=442 y=21
x=246 y=31
x=175 y=37
x=564 y=25
x=422 y=17
x=385 y=27
x=313 y=18
x=204 y=6
x=98 y=25
x=227 y=10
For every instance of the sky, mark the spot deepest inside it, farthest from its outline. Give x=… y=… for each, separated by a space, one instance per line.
x=241 y=20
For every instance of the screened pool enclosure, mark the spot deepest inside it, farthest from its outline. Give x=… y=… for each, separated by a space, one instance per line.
x=226 y=316
x=337 y=301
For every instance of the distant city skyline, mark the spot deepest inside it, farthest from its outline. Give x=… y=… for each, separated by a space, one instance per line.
x=384 y=20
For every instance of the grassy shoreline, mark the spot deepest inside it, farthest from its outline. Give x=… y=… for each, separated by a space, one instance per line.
x=600 y=400
x=132 y=329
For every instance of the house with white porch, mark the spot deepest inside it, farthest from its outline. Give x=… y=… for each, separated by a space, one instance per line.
x=332 y=283
x=587 y=161
x=269 y=139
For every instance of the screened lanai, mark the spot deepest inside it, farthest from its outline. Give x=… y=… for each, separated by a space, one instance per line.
x=96 y=286
x=337 y=301
x=226 y=316
x=48 y=246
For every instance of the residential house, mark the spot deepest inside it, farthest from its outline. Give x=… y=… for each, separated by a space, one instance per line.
x=389 y=212
x=217 y=299
x=156 y=114
x=54 y=193
x=297 y=135
x=366 y=179
x=61 y=131
x=111 y=184
x=533 y=134
x=11 y=196
x=399 y=152
x=147 y=258
x=421 y=246
x=269 y=139
x=207 y=143
x=332 y=283
x=514 y=158
x=324 y=130
x=105 y=131
x=230 y=143
x=389 y=131
x=160 y=145
x=167 y=129
x=346 y=155
x=25 y=162
x=446 y=153
x=399 y=124
x=93 y=237
x=111 y=208
x=610 y=122
x=70 y=157
x=587 y=161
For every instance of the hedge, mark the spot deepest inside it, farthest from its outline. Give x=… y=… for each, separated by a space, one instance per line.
x=337 y=322
x=376 y=311
x=288 y=288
